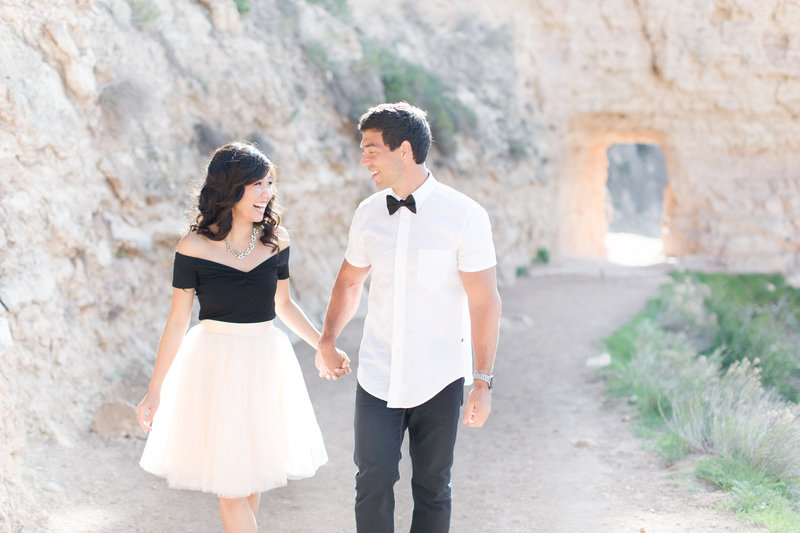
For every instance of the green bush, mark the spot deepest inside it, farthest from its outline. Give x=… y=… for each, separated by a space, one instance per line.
x=145 y=11
x=729 y=400
x=243 y=6
x=403 y=80
x=734 y=417
x=337 y=8
x=650 y=365
x=317 y=54
x=518 y=149
x=757 y=496
x=756 y=318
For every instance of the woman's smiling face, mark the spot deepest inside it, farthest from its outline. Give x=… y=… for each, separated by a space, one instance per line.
x=255 y=199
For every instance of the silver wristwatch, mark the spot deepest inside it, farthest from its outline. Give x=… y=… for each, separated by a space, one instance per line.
x=484 y=377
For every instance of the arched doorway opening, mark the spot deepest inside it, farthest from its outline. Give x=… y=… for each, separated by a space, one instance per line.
x=634 y=205
x=584 y=201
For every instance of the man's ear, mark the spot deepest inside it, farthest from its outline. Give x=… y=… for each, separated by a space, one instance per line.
x=407 y=152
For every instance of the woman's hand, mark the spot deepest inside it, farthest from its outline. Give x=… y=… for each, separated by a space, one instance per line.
x=146 y=410
x=332 y=363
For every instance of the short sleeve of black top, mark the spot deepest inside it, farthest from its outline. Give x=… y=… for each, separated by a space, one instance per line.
x=228 y=294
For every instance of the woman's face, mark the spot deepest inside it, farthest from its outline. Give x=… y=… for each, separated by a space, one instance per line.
x=254 y=200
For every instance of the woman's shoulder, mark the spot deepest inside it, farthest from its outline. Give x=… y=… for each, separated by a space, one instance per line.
x=283 y=237
x=193 y=244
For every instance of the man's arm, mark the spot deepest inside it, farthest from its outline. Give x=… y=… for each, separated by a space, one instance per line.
x=484 y=315
x=345 y=297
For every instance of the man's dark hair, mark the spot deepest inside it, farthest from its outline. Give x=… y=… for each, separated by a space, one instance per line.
x=397 y=123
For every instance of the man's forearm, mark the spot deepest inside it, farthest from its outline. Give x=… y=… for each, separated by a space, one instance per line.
x=345 y=297
x=484 y=319
x=341 y=308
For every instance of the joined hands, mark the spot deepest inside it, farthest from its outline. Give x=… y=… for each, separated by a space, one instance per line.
x=332 y=363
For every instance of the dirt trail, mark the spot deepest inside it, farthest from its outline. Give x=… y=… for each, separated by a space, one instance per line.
x=554 y=457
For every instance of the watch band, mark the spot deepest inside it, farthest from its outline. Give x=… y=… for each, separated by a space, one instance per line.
x=484 y=377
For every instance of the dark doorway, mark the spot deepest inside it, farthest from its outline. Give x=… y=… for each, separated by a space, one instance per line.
x=637 y=176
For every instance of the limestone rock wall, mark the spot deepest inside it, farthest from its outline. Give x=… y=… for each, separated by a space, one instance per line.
x=110 y=108
x=716 y=84
x=108 y=112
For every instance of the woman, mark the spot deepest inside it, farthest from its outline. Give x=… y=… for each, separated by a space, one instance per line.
x=227 y=408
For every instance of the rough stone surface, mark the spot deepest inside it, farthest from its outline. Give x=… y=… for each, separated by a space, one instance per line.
x=110 y=108
x=116 y=419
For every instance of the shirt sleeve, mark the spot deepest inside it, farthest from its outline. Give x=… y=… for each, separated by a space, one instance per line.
x=283 y=264
x=476 y=248
x=356 y=253
x=184 y=275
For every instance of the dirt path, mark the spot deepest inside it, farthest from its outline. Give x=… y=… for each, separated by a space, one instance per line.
x=554 y=457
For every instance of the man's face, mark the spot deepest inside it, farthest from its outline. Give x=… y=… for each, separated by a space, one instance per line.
x=386 y=166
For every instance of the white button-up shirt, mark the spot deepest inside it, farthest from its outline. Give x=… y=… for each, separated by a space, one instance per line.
x=417 y=331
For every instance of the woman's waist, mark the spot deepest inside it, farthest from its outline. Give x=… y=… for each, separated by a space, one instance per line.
x=236 y=328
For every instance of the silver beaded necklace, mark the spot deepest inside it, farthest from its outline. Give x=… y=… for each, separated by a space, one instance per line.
x=241 y=255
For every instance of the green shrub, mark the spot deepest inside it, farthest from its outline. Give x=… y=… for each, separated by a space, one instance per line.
x=317 y=54
x=337 y=8
x=145 y=11
x=757 y=496
x=517 y=149
x=734 y=417
x=403 y=80
x=243 y=6
x=542 y=256
x=757 y=320
x=728 y=401
x=651 y=365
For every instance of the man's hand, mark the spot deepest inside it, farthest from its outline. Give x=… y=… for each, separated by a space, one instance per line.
x=331 y=362
x=479 y=404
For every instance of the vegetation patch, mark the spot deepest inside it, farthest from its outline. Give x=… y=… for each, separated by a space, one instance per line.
x=337 y=8
x=708 y=366
x=403 y=80
x=145 y=11
x=243 y=6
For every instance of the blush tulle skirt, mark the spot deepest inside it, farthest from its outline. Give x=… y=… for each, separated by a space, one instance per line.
x=234 y=415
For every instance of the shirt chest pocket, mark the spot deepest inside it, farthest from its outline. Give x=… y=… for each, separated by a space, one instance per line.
x=433 y=267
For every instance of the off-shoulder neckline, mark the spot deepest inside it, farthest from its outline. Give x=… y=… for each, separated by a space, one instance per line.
x=276 y=254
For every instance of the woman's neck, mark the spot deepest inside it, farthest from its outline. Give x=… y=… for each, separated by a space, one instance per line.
x=240 y=230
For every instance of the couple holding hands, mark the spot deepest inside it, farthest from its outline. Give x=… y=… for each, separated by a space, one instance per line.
x=227 y=409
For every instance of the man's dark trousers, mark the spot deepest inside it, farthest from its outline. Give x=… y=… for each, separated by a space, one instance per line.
x=379 y=431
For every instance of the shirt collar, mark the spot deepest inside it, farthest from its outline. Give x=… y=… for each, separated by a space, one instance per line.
x=423 y=191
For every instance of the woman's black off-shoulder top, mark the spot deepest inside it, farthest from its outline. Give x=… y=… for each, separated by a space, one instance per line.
x=229 y=294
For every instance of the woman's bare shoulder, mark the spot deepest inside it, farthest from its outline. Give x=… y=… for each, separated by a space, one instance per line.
x=193 y=244
x=283 y=237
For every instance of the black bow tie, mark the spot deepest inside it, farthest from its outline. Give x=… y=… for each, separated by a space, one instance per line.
x=393 y=204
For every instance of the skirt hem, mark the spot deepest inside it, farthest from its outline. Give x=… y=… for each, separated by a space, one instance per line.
x=178 y=485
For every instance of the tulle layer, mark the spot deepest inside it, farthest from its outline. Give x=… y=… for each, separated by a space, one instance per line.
x=234 y=416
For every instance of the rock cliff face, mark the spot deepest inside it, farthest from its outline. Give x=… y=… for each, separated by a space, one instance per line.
x=109 y=109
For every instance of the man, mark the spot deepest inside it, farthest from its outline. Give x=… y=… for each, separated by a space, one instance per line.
x=433 y=287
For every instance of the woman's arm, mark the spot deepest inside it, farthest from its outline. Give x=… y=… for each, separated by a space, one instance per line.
x=294 y=317
x=171 y=338
x=296 y=320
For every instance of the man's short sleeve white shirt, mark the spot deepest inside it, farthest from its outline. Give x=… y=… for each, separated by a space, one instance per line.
x=417 y=331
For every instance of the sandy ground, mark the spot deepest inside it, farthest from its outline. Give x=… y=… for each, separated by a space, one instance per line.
x=555 y=455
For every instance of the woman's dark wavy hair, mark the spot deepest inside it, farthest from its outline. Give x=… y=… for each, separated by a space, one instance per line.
x=232 y=167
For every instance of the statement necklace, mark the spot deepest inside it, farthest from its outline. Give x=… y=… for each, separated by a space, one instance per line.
x=241 y=255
